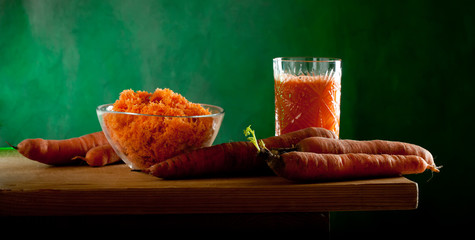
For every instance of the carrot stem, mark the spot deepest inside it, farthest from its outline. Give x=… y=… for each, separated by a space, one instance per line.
x=248 y=131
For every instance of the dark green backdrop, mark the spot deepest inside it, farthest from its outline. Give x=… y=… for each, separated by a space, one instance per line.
x=406 y=75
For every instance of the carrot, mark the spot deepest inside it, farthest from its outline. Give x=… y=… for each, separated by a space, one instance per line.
x=338 y=146
x=228 y=157
x=306 y=166
x=221 y=158
x=60 y=152
x=100 y=156
x=292 y=138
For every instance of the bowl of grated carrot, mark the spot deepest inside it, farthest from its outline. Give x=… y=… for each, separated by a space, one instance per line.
x=148 y=128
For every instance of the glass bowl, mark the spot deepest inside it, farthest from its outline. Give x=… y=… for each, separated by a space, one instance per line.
x=142 y=140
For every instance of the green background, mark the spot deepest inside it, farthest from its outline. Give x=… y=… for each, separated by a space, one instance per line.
x=406 y=76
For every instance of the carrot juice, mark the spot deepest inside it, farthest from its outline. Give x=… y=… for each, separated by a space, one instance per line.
x=307 y=98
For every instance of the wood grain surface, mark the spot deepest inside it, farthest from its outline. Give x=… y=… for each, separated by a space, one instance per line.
x=28 y=188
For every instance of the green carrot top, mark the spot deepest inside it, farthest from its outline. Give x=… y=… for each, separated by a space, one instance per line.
x=248 y=131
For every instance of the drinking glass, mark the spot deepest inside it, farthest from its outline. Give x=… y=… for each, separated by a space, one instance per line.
x=307 y=93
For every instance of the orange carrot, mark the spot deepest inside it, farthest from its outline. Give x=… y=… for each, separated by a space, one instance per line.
x=306 y=166
x=100 y=156
x=338 y=146
x=221 y=158
x=292 y=138
x=228 y=157
x=60 y=152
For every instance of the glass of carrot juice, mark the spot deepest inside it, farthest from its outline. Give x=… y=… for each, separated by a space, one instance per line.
x=307 y=93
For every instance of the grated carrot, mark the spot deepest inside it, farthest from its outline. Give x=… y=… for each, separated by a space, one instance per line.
x=147 y=140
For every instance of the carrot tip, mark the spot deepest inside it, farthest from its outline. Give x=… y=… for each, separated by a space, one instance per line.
x=435 y=168
x=14 y=147
x=79 y=158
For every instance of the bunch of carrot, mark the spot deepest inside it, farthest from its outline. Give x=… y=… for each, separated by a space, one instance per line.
x=312 y=154
x=92 y=148
x=322 y=159
x=227 y=158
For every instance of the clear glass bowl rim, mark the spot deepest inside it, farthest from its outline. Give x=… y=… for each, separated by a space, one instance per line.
x=307 y=59
x=104 y=109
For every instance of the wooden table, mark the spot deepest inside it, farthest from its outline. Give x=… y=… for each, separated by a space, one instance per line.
x=33 y=190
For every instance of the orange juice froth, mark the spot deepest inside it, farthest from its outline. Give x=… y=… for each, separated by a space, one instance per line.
x=307 y=101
